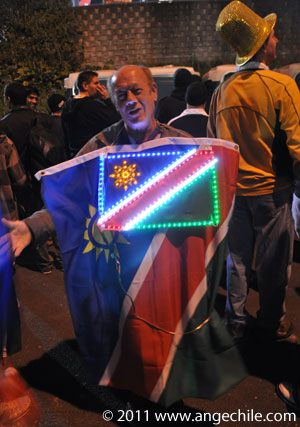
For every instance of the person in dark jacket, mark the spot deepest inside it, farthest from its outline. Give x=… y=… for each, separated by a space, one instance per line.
x=88 y=113
x=173 y=105
x=194 y=118
x=17 y=123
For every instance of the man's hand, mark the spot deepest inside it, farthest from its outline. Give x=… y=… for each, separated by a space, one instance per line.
x=296 y=213
x=103 y=92
x=19 y=235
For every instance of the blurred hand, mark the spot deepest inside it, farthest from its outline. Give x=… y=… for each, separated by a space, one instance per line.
x=103 y=92
x=296 y=213
x=19 y=235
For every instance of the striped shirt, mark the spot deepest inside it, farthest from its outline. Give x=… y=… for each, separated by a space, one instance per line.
x=12 y=178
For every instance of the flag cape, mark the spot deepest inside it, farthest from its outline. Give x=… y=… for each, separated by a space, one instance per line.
x=142 y=301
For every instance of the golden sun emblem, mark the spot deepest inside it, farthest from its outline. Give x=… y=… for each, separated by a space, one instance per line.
x=105 y=241
x=125 y=175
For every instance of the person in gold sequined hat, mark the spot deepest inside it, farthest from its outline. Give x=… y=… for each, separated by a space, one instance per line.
x=244 y=30
x=259 y=110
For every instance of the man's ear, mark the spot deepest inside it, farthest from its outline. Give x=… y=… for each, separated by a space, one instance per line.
x=264 y=46
x=84 y=86
x=154 y=90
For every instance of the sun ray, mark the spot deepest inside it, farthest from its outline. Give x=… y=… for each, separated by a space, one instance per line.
x=89 y=247
x=105 y=241
x=98 y=252
x=92 y=210
x=121 y=239
x=125 y=175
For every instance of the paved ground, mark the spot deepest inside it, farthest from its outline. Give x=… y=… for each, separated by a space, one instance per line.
x=50 y=363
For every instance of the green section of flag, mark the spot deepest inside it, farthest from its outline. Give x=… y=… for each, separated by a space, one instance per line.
x=208 y=357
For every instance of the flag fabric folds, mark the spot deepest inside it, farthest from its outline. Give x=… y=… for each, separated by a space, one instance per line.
x=142 y=299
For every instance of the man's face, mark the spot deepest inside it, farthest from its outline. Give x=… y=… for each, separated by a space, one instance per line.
x=270 y=49
x=32 y=100
x=92 y=87
x=135 y=97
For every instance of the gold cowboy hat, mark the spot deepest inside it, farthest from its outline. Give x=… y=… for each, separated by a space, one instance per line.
x=244 y=30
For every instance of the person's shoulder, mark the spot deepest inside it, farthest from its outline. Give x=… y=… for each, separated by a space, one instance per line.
x=277 y=77
x=107 y=136
x=287 y=86
x=6 y=144
x=4 y=118
x=3 y=138
x=23 y=110
x=78 y=103
x=112 y=132
x=167 y=130
x=163 y=100
x=93 y=105
x=22 y=115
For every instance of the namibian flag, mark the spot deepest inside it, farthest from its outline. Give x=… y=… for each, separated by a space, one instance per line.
x=142 y=230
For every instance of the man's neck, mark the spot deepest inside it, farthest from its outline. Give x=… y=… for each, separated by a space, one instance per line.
x=192 y=107
x=81 y=95
x=140 y=136
x=253 y=64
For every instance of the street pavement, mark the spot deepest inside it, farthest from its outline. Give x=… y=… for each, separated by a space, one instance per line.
x=51 y=365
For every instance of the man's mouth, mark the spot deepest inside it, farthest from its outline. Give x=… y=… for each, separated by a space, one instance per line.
x=134 y=112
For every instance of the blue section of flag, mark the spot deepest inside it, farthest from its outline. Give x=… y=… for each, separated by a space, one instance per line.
x=161 y=159
x=94 y=292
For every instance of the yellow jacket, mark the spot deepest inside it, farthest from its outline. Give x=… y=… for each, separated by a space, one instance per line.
x=260 y=111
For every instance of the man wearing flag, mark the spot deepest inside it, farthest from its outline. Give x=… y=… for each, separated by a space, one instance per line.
x=134 y=93
x=141 y=290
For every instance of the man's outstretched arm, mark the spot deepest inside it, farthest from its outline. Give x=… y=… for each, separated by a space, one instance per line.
x=38 y=227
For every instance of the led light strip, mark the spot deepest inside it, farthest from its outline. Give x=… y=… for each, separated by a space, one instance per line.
x=146 y=212
x=150 y=154
x=215 y=197
x=101 y=186
x=144 y=188
x=175 y=225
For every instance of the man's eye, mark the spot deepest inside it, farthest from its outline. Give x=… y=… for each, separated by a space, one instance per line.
x=137 y=91
x=122 y=96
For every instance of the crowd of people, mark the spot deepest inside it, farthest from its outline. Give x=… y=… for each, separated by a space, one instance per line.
x=254 y=107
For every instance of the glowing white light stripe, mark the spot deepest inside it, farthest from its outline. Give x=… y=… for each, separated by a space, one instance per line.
x=133 y=196
x=131 y=224
x=100 y=185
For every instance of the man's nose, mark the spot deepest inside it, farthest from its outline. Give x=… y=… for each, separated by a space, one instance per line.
x=131 y=98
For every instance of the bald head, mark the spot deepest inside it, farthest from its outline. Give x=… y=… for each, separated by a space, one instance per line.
x=134 y=93
x=126 y=70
